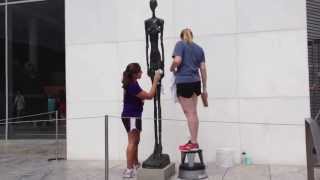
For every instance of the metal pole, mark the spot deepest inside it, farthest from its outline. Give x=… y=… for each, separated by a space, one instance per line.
x=57 y=140
x=106 y=159
x=6 y=59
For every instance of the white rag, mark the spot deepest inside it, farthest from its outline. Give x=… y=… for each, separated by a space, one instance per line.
x=173 y=88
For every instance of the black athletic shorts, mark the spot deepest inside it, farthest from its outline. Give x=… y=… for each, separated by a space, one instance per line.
x=132 y=124
x=186 y=90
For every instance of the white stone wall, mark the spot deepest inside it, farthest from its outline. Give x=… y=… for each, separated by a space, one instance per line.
x=256 y=54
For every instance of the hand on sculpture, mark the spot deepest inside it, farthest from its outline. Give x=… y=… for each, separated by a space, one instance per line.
x=157 y=75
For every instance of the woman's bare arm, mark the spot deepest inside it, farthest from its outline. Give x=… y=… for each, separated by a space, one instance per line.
x=149 y=95
x=175 y=63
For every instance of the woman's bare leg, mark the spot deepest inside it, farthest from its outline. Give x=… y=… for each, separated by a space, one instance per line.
x=189 y=107
x=137 y=140
x=132 y=148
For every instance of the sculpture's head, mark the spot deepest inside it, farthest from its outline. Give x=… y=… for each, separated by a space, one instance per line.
x=153 y=5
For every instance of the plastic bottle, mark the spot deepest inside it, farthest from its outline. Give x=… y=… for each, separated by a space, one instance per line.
x=243 y=158
x=248 y=160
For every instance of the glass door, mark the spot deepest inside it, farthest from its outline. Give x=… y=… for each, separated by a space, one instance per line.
x=32 y=65
x=2 y=72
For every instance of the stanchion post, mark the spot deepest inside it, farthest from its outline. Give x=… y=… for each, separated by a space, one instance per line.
x=106 y=159
x=57 y=143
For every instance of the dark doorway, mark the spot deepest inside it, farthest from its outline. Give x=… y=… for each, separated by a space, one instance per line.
x=313 y=22
x=36 y=66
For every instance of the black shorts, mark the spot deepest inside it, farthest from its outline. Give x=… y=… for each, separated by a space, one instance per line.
x=186 y=90
x=132 y=124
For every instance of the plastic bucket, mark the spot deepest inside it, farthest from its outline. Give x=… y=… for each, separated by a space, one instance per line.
x=225 y=157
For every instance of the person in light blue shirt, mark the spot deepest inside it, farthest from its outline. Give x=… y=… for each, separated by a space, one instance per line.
x=51 y=104
x=188 y=60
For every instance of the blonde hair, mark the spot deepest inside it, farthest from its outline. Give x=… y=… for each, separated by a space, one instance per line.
x=186 y=35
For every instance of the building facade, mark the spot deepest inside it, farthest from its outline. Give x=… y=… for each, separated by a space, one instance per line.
x=258 y=85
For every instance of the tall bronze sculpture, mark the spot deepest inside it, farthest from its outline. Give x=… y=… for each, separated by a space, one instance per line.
x=154 y=30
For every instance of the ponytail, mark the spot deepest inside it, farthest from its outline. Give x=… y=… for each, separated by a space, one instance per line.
x=186 y=35
x=125 y=80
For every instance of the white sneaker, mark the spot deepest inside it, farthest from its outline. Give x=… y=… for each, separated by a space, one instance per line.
x=128 y=173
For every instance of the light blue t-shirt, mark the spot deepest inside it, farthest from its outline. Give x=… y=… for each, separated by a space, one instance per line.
x=192 y=56
x=51 y=104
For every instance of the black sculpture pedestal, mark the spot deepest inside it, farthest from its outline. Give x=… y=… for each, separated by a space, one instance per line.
x=156 y=161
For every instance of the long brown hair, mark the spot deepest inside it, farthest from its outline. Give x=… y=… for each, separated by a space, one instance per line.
x=186 y=35
x=127 y=77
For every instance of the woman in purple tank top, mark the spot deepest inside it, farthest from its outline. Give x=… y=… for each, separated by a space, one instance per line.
x=133 y=97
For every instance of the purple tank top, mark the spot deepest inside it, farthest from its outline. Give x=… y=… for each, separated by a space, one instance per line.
x=132 y=105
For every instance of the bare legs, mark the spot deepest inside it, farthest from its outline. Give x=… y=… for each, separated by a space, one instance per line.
x=132 y=148
x=189 y=107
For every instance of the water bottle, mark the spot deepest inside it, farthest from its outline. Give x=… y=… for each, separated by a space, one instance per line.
x=248 y=160
x=243 y=158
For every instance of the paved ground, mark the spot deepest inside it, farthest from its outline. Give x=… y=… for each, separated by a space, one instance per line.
x=28 y=160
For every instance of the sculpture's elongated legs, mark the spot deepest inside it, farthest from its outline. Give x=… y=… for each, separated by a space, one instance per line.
x=159 y=118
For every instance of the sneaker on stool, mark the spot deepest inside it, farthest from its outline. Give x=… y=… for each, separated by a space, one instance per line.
x=189 y=146
x=183 y=145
